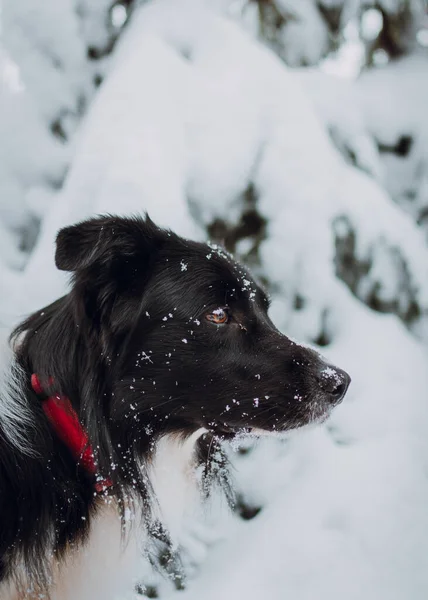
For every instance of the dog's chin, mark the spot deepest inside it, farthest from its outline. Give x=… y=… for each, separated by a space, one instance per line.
x=317 y=412
x=230 y=432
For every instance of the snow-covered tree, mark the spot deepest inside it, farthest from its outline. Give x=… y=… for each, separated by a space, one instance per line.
x=295 y=132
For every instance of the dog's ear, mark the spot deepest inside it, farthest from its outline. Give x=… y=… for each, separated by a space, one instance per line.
x=103 y=239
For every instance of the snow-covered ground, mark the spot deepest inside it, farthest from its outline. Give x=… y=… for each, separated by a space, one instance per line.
x=192 y=114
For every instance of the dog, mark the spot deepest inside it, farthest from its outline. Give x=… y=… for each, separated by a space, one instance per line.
x=116 y=393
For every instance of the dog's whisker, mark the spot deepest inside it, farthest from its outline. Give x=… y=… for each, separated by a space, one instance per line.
x=158 y=405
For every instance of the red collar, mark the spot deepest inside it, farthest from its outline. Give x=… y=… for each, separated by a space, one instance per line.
x=66 y=425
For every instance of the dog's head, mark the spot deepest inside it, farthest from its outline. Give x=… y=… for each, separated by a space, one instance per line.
x=184 y=335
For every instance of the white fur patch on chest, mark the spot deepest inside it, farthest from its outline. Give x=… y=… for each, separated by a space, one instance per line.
x=104 y=568
x=173 y=478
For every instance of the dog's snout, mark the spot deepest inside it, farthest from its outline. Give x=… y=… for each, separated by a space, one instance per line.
x=334 y=382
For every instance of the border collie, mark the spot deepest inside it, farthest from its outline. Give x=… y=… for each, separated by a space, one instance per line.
x=115 y=393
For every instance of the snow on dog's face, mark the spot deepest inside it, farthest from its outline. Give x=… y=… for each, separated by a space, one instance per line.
x=185 y=336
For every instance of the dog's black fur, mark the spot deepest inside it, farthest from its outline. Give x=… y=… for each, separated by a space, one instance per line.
x=132 y=348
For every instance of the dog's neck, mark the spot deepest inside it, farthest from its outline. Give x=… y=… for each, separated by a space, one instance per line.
x=29 y=488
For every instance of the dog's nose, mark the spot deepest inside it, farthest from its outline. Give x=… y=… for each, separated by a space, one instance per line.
x=334 y=382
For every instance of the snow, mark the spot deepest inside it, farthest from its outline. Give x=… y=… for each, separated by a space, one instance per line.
x=382 y=106
x=333 y=531
x=47 y=80
x=394 y=101
x=192 y=112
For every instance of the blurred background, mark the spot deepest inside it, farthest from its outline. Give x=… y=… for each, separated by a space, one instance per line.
x=295 y=132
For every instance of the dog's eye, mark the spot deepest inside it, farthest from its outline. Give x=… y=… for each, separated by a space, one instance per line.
x=219 y=316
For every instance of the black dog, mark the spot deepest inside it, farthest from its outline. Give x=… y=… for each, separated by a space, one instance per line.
x=160 y=338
